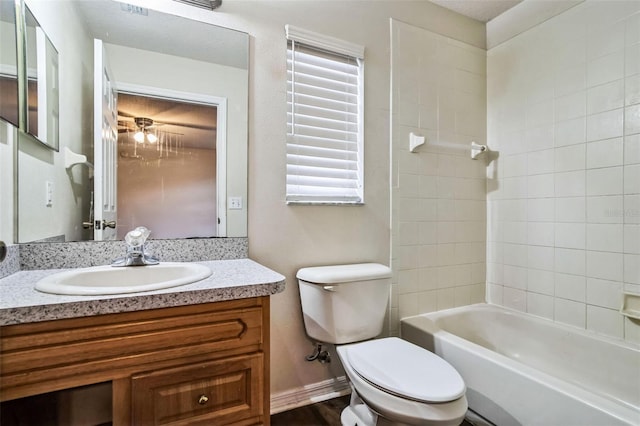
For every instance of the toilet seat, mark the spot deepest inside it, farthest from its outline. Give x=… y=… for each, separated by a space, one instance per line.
x=406 y=370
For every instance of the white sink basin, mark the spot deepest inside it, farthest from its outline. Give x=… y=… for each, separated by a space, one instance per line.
x=100 y=280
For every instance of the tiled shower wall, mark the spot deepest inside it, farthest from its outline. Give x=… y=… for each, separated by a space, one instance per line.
x=438 y=192
x=564 y=195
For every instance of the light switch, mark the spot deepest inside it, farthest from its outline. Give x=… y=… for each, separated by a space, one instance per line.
x=48 y=193
x=235 y=203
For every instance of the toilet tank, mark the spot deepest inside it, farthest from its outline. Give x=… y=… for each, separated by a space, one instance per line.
x=344 y=303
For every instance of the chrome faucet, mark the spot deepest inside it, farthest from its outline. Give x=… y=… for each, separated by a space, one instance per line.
x=136 y=253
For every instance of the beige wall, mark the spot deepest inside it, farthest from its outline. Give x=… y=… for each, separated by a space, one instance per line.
x=287 y=238
x=564 y=195
x=39 y=164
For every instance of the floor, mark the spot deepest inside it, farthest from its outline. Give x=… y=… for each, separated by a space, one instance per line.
x=321 y=414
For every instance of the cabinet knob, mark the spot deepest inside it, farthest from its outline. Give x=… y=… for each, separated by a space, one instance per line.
x=203 y=399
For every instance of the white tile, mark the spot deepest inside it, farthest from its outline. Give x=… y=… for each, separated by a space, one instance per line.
x=605 y=181
x=632 y=179
x=540 y=305
x=427 y=186
x=515 y=232
x=407 y=281
x=570 y=235
x=571 y=287
x=632 y=119
x=539 y=138
x=607 y=294
x=605 y=237
x=408 y=185
x=515 y=165
x=570 y=184
x=605 y=40
x=570 y=261
x=606 y=97
x=515 y=299
x=605 y=69
x=604 y=265
x=542 y=112
x=632 y=29
x=571 y=132
x=570 y=79
x=540 y=233
x=571 y=106
x=408 y=233
x=570 y=312
x=632 y=60
x=427 y=232
x=605 y=125
x=540 y=281
x=605 y=153
x=631 y=331
x=605 y=321
x=540 y=257
x=515 y=277
x=632 y=90
x=570 y=158
x=407 y=305
x=515 y=187
x=515 y=254
x=541 y=209
x=632 y=149
x=631 y=209
x=607 y=209
x=632 y=268
x=427 y=279
x=632 y=239
x=540 y=162
x=495 y=294
x=541 y=186
x=445 y=298
x=572 y=209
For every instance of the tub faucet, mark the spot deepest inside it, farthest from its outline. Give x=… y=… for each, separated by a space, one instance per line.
x=136 y=253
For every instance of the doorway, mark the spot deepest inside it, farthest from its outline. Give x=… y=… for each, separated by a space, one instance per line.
x=169 y=175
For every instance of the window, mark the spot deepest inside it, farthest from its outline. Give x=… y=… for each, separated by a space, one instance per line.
x=324 y=119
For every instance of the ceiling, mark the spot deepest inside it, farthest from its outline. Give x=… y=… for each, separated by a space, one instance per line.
x=480 y=10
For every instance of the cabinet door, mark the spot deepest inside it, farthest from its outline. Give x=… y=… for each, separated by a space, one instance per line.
x=226 y=391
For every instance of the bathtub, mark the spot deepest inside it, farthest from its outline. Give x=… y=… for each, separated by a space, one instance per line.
x=524 y=370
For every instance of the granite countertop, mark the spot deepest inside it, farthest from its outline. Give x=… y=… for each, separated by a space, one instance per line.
x=20 y=302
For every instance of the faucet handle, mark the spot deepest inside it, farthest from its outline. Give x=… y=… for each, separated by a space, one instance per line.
x=135 y=238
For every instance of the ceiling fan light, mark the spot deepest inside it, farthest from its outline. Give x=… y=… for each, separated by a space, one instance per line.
x=139 y=137
x=152 y=138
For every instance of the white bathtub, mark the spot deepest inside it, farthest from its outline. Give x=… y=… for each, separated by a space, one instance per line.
x=524 y=370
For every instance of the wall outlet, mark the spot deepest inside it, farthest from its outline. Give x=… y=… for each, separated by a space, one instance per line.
x=235 y=203
x=48 y=201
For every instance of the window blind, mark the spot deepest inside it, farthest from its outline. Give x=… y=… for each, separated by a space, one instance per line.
x=324 y=121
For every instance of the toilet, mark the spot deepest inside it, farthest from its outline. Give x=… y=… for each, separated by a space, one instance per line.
x=393 y=382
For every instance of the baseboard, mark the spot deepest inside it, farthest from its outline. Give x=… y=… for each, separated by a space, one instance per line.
x=310 y=394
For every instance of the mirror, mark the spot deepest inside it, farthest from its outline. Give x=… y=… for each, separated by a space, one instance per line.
x=42 y=83
x=150 y=53
x=8 y=64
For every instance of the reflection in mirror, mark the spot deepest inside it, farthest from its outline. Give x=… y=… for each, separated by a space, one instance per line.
x=42 y=83
x=167 y=166
x=155 y=51
x=8 y=63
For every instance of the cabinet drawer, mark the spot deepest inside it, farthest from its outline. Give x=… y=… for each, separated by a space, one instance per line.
x=226 y=391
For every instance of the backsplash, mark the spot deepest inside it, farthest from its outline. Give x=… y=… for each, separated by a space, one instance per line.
x=93 y=253
x=11 y=264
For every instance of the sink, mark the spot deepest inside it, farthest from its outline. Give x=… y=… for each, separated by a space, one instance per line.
x=101 y=280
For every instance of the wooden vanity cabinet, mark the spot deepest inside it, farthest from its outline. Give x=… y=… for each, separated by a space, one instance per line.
x=200 y=364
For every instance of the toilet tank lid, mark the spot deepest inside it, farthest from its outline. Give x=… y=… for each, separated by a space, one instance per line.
x=344 y=273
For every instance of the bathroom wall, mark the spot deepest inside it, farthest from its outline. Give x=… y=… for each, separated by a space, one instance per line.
x=287 y=238
x=39 y=164
x=438 y=192
x=564 y=194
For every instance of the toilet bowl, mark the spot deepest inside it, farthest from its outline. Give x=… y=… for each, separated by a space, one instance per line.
x=400 y=384
x=393 y=382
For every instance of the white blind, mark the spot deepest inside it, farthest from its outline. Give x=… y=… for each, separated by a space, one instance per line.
x=324 y=125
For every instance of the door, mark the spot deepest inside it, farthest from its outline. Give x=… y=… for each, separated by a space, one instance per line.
x=105 y=148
